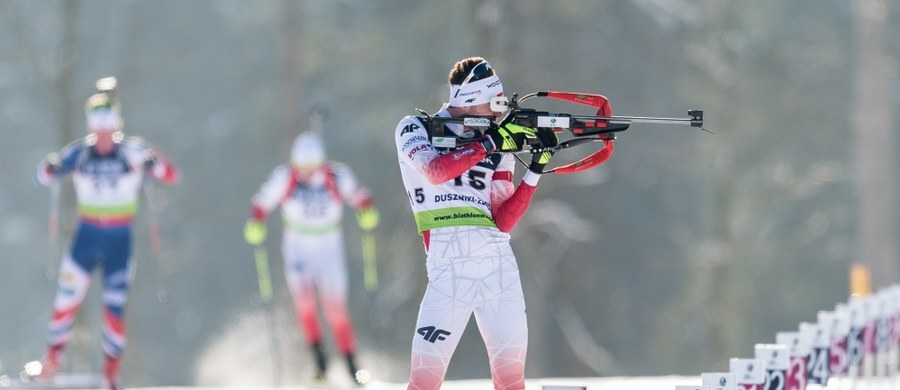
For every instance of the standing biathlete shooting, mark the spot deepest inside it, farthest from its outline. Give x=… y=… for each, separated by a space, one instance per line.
x=458 y=169
x=465 y=204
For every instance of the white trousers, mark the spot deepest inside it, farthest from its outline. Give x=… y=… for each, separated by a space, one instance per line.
x=471 y=270
x=316 y=269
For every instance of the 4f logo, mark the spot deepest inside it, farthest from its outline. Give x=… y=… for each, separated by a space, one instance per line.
x=432 y=334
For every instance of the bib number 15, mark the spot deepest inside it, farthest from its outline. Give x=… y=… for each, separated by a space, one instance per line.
x=475 y=180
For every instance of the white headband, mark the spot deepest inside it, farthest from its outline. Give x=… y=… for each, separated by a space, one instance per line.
x=104 y=120
x=475 y=92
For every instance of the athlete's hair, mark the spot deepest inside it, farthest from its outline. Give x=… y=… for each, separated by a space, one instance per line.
x=461 y=69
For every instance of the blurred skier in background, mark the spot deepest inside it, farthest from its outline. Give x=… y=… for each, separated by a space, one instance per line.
x=311 y=192
x=107 y=170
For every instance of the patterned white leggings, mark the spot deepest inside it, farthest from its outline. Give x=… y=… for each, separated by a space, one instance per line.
x=470 y=270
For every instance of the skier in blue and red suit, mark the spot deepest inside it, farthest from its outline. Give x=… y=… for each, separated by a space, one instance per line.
x=107 y=171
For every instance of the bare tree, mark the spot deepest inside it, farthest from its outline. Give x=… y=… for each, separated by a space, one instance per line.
x=290 y=68
x=874 y=123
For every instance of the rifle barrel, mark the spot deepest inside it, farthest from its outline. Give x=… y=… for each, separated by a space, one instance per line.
x=639 y=119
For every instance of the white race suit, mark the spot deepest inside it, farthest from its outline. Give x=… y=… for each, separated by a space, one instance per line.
x=464 y=205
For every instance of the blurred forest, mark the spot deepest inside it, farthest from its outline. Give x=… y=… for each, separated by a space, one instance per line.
x=682 y=251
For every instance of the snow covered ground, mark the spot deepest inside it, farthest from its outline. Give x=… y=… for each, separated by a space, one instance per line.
x=610 y=383
x=616 y=383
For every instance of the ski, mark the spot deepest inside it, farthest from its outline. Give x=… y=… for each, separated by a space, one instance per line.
x=63 y=380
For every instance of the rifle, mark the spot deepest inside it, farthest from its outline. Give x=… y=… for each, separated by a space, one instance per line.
x=599 y=127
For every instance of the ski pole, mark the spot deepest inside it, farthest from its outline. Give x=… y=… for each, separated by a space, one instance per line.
x=265 y=295
x=262 y=272
x=153 y=219
x=53 y=231
x=153 y=207
x=370 y=268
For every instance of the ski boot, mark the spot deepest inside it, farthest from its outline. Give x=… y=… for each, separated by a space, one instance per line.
x=50 y=363
x=111 y=378
x=321 y=362
x=360 y=377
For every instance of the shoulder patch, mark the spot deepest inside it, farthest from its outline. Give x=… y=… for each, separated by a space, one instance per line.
x=409 y=128
x=413 y=123
x=135 y=143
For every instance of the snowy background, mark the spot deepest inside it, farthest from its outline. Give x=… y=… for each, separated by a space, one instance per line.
x=681 y=252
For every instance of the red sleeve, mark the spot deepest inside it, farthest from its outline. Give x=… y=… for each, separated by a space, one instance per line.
x=448 y=166
x=258 y=213
x=508 y=214
x=364 y=203
x=259 y=207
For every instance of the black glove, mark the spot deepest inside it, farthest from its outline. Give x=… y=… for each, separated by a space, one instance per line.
x=547 y=137
x=539 y=160
x=509 y=137
x=150 y=159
